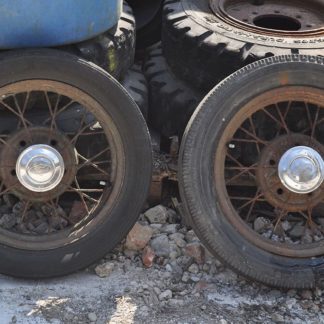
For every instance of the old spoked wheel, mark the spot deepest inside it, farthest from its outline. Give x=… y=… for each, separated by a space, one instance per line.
x=253 y=182
x=65 y=163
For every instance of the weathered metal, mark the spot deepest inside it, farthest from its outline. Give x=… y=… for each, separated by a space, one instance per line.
x=273 y=17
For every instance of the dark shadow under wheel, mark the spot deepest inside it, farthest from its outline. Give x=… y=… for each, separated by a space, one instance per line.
x=75 y=163
x=205 y=41
x=252 y=180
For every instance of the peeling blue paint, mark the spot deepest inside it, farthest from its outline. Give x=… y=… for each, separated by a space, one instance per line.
x=43 y=23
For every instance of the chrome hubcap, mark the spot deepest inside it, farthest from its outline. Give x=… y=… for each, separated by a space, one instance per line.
x=301 y=170
x=40 y=168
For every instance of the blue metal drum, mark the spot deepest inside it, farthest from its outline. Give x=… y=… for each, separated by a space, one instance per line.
x=43 y=23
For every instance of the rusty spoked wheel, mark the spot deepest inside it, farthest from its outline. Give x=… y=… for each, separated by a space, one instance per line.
x=252 y=180
x=74 y=149
x=272 y=17
x=58 y=163
x=269 y=171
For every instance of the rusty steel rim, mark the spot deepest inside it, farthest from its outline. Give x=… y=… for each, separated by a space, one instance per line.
x=272 y=17
x=248 y=188
x=79 y=129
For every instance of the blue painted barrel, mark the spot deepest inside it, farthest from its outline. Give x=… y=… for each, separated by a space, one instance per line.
x=43 y=23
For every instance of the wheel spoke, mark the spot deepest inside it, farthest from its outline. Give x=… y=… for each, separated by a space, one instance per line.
x=89 y=163
x=256 y=138
x=91 y=160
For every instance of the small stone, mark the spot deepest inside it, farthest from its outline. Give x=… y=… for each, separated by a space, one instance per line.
x=297 y=231
x=4 y=209
x=92 y=317
x=14 y=319
x=18 y=208
x=261 y=224
x=41 y=229
x=8 y=221
x=138 y=237
x=277 y=318
x=176 y=302
x=170 y=228
x=161 y=246
x=222 y=321
x=318 y=292
x=148 y=256
x=168 y=268
x=291 y=292
x=157 y=290
x=286 y=226
x=9 y=200
x=275 y=294
x=196 y=251
x=194 y=268
x=203 y=307
x=165 y=295
x=157 y=215
x=104 y=270
x=185 y=262
x=185 y=277
x=68 y=316
x=306 y=294
x=191 y=237
x=78 y=211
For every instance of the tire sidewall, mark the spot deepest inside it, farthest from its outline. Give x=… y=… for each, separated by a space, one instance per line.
x=62 y=67
x=198 y=187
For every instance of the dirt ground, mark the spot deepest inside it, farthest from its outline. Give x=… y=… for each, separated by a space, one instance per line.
x=128 y=295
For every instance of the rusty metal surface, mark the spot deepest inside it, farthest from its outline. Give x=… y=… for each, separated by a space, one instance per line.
x=250 y=148
x=273 y=17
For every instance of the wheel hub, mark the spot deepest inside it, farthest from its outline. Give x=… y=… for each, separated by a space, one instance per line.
x=40 y=168
x=291 y=171
x=273 y=17
x=38 y=164
x=301 y=169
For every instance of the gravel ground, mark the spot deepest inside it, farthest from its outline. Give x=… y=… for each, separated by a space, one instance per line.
x=160 y=274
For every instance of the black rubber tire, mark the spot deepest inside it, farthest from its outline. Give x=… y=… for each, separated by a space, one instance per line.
x=114 y=50
x=196 y=166
x=63 y=67
x=148 y=15
x=171 y=100
x=136 y=85
x=204 y=50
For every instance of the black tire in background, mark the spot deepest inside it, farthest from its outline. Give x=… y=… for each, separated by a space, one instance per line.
x=136 y=85
x=114 y=50
x=171 y=100
x=117 y=217
x=204 y=138
x=148 y=15
x=203 y=48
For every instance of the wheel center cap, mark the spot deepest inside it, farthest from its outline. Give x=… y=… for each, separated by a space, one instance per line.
x=301 y=169
x=40 y=168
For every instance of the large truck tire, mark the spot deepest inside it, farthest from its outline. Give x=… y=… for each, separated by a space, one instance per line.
x=251 y=171
x=171 y=100
x=205 y=41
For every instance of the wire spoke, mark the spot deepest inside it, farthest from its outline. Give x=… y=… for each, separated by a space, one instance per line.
x=259 y=140
x=257 y=196
x=91 y=160
x=89 y=163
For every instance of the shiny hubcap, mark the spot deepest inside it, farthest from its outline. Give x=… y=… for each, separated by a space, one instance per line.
x=40 y=168
x=301 y=170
